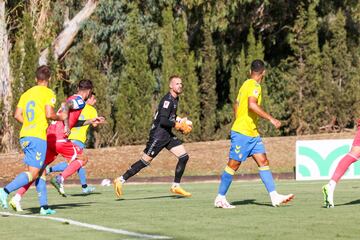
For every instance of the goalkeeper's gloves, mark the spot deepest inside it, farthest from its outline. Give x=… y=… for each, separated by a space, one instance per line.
x=183 y=125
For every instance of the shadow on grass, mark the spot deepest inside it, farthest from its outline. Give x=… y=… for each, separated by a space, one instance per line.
x=248 y=202
x=36 y=210
x=355 y=202
x=157 y=197
x=83 y=195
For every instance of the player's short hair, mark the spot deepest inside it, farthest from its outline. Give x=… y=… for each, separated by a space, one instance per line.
x=257 y=66
x=85 y=84
x=173 y=76
x=43 y=73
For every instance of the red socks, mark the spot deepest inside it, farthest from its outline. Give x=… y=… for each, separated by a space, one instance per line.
x=24 y=189
x=343 y=165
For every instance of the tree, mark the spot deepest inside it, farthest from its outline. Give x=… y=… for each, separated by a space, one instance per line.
x=23 y=63
x=255 y=49
x=186 y=68
x=167 y=36
x=343 y=73
x=208 y=96
x=66 y=37
x=137 y=84
x=239 y=74
x=83 y=62
x=304 y=79
x=6 y=128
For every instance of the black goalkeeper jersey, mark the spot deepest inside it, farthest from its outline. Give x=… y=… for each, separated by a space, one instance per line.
x=164 y=118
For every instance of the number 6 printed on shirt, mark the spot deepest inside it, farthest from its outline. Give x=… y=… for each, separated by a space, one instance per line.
x=30 y=113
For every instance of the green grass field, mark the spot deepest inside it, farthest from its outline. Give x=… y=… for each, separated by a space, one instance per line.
x=151 y=209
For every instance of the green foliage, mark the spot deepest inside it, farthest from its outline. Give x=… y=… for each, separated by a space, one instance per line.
x=137 y=84
x=311 y=48
x=304 y=79
x=186 y=68
x=255 y=49
x=208 y=95
x=239 y=74
x=167 y=34
x=179 y=60
x=84 y=60
x=342 y=72
x=23 y=62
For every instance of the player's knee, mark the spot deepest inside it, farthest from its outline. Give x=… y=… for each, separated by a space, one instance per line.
x=32 y=175
x=184 y=158
x=146 y=162
x=264 y=162
x=137 y=166
x=355 y=151
x=82 y=157
x=84 y=162
x=233 y=164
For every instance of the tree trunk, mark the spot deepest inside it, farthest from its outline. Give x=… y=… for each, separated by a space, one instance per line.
x=62 y=43
x=6 y=129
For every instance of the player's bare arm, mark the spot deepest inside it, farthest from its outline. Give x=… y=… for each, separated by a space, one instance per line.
x=254 y=106
x=51 y=114
x=65 y=109
x=19 y=115
x=94 y=122
x=235 y=107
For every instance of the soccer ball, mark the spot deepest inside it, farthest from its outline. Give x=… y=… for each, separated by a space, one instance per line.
x=105 y=182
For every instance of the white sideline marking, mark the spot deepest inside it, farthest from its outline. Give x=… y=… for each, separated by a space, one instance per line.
x=92 y=226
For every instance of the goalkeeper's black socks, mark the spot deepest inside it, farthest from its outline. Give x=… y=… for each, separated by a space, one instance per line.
x=180 y=167
x=134 y=169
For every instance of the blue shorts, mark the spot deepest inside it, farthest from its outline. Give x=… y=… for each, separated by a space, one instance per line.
x=80 y=144
x=243 y=146
x=35 y=151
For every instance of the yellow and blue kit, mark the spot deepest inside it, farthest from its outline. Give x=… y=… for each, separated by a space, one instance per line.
x=33 y=130
x=79 y=134
x=245 y=139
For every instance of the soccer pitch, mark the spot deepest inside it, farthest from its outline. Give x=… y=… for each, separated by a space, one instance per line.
x=151 y=211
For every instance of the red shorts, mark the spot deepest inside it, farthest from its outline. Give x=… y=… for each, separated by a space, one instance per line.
x=65 y=148
x=356 y=141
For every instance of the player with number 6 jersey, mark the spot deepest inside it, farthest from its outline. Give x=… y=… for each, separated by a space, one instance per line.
x=35 y=106
x=58 y=142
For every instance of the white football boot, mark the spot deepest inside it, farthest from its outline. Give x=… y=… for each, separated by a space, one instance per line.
x=279 y=199
x=221 y=202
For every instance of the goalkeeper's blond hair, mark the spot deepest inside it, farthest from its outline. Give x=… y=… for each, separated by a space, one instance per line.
x=172 y=77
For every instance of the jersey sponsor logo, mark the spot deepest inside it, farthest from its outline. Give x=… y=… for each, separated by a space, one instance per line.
x=75 y=103
x=78 y=103
x=256 y=92
x=53 y=100
x=30 y=127
x=166 y=104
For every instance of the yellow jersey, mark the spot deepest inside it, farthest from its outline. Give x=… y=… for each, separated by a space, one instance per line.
x=79 y=133
x=33 y=102
x=246 y=120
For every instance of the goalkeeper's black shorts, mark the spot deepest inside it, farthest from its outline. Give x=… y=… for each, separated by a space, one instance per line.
x=154 y=145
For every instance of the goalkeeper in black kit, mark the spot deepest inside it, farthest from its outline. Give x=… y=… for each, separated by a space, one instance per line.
x=161 y=137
